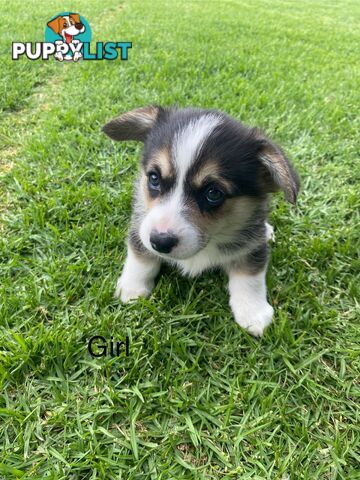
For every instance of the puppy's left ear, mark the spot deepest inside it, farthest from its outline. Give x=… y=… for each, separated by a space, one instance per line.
x=133 y=125
x=278 y=171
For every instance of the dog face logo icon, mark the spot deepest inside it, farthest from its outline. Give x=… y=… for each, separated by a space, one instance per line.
x=68 y=26
x=68 y=31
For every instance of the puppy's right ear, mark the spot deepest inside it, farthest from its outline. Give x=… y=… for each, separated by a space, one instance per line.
x=133 y=125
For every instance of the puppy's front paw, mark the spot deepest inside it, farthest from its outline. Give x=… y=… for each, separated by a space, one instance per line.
x=59 y=56
x=128 y=289
x=77 y=56
x=269 y=232
x=253 y=318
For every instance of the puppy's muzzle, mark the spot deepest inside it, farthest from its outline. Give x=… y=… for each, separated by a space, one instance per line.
x=163 y=242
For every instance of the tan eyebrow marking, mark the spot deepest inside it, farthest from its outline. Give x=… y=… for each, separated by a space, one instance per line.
x=162 y=160
x=210 y=172
x=209 y=169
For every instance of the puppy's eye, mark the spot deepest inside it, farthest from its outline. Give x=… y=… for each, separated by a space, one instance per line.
x=154 y=180
x=214 y=196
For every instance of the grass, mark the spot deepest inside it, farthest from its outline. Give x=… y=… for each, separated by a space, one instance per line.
x=197 y=398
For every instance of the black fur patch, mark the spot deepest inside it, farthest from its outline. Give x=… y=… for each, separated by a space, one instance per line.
x=234 y=148
x=245 y=236
x=257 y=259
x=254 y=262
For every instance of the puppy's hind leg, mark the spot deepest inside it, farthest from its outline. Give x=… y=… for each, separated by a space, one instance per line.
x=138 y=276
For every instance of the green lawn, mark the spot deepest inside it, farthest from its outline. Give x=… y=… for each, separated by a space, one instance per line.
x=198 y=398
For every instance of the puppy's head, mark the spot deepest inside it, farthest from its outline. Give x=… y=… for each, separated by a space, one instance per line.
x=203 y=175
x=67 y=25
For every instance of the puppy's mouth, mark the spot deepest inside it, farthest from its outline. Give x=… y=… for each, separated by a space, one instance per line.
x=73 y=31
x=174 y=255
x=68 y=38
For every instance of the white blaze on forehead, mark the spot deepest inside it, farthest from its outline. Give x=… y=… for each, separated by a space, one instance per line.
x=187 y=144
x=168 y=215
x=190 y=139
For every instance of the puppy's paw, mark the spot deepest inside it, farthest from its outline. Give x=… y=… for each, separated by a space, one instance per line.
x=127 y=289
x=270 y=235
x=255 y=318
x=59 y=56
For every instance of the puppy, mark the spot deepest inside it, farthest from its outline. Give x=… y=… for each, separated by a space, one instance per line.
x=201 y=202
x=67 y=26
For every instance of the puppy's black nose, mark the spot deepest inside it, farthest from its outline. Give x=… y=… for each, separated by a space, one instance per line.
x=163 y=242
x=79 y=26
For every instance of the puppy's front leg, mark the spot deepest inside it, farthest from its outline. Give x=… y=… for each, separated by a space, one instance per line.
x=138 y=275
x=248 y=300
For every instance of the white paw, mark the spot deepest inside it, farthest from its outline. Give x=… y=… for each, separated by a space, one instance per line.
x=77 y=56
x=127 y=289
x=59 y=56
x=270 y=235
x=254 y=319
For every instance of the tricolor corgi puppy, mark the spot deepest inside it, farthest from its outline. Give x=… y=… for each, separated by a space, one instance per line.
x=201 y=202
